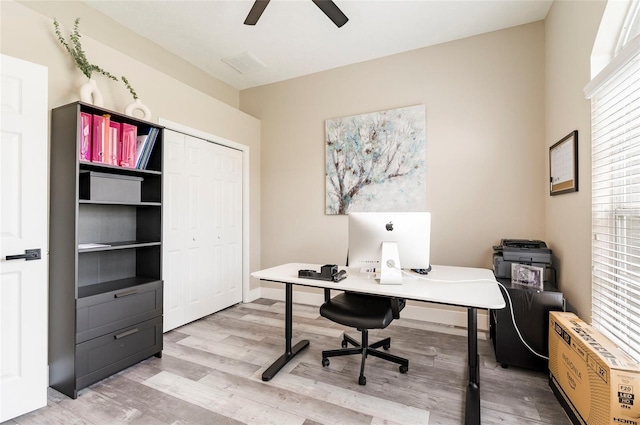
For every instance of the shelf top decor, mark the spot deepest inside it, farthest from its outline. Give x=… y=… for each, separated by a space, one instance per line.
x=74 y=47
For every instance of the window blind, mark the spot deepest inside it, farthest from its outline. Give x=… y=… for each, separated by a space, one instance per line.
x=615 y=120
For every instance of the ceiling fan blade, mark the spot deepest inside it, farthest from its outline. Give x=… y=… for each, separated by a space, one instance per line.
x=256 y=11
x=332 y=11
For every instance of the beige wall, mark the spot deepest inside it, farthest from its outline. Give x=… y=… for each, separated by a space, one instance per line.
x=571 y=28
x=494 y=105
x=484 y=99
x=29 y=35
x=107 y=31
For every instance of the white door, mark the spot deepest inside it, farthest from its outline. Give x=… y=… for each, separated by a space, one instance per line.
x=202 y=249
x=174 y=270
x=23 y=221
x=221 y=220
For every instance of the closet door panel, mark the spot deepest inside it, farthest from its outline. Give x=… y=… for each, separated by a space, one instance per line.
x=199 y=261
x=228 y=178
x=174 y=228
x=205 y=227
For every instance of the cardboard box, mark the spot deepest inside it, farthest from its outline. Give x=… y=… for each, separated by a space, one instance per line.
x=593 y=379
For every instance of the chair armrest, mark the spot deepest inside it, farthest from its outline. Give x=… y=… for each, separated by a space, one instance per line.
x=397 y=304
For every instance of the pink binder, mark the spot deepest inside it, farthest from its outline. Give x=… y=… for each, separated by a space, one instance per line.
x=128 y=147
x=85 y=137
x=115 y=142
x=99 y=145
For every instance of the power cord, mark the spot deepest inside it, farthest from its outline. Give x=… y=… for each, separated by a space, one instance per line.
x=513 y=317
x=429 y=279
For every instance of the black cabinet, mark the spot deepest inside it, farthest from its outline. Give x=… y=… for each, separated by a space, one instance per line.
x=531 y=312
x=105 y=245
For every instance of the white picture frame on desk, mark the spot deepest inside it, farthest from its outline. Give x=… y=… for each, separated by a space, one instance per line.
x=526 y=275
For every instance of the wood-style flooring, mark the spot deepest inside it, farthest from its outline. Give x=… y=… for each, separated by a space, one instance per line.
x=210 y=373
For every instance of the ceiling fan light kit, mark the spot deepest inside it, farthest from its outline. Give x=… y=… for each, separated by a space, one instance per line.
x=329 y=8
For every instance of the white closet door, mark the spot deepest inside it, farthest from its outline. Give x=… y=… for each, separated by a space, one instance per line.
x=199 y=236
x=174 y=227
x=203 y=228
x=225 y=177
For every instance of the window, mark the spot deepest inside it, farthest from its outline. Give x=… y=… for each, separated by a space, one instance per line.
x=631 y=27
x=615 y=122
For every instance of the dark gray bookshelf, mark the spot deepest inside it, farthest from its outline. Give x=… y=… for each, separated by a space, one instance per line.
x=105 y=302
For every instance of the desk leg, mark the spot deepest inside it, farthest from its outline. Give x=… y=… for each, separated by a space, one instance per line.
x=289 y=352
x=472 y=410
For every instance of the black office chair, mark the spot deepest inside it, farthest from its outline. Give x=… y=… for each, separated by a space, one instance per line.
x=362 y=312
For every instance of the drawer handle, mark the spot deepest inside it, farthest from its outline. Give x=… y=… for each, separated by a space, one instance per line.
x=127 y=333
x=126 y=293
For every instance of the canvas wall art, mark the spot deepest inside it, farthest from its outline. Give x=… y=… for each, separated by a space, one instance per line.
x=377 y=161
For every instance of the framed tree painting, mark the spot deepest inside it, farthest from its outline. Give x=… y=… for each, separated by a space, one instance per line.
x=376 y=161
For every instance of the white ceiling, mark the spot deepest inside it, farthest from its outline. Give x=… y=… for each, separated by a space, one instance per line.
x=295 y=38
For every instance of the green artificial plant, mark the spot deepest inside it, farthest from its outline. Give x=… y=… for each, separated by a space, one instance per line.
x=131 y=90
x=74 y=47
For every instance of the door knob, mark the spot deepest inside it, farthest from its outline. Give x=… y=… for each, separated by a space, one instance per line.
x=29 y=254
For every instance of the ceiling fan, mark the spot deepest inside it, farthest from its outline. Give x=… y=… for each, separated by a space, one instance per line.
x=327 y=6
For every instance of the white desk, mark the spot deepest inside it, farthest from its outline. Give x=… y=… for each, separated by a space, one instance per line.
x=468 y=287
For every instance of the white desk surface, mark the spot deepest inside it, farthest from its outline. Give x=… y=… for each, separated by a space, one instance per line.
x=460 y=286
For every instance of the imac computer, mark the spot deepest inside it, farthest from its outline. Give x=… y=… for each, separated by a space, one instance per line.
x=388 y=241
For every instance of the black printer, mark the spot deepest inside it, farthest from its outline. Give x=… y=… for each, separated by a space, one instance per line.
x=520 y=251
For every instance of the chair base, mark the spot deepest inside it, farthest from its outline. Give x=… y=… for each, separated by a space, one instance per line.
x=365 y=349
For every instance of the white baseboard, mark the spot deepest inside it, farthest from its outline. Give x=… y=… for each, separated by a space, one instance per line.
x=450 y=317
x=253 y=295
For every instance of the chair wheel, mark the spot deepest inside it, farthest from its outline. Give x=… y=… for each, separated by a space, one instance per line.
x=386 y=347
x=325 y=362
x=404 y=369
x=344 y=343
x=362 y=380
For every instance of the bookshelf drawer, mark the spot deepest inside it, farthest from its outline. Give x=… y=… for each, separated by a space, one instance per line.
x=107 y=312
x=100 y=357
x=95 y=186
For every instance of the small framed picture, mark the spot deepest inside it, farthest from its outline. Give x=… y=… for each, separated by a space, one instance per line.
x=530 y=276
x=563 y=165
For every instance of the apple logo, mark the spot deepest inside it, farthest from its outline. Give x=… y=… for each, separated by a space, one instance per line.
x=389 y=226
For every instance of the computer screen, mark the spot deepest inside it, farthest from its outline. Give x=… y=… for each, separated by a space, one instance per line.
x=405 y=237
